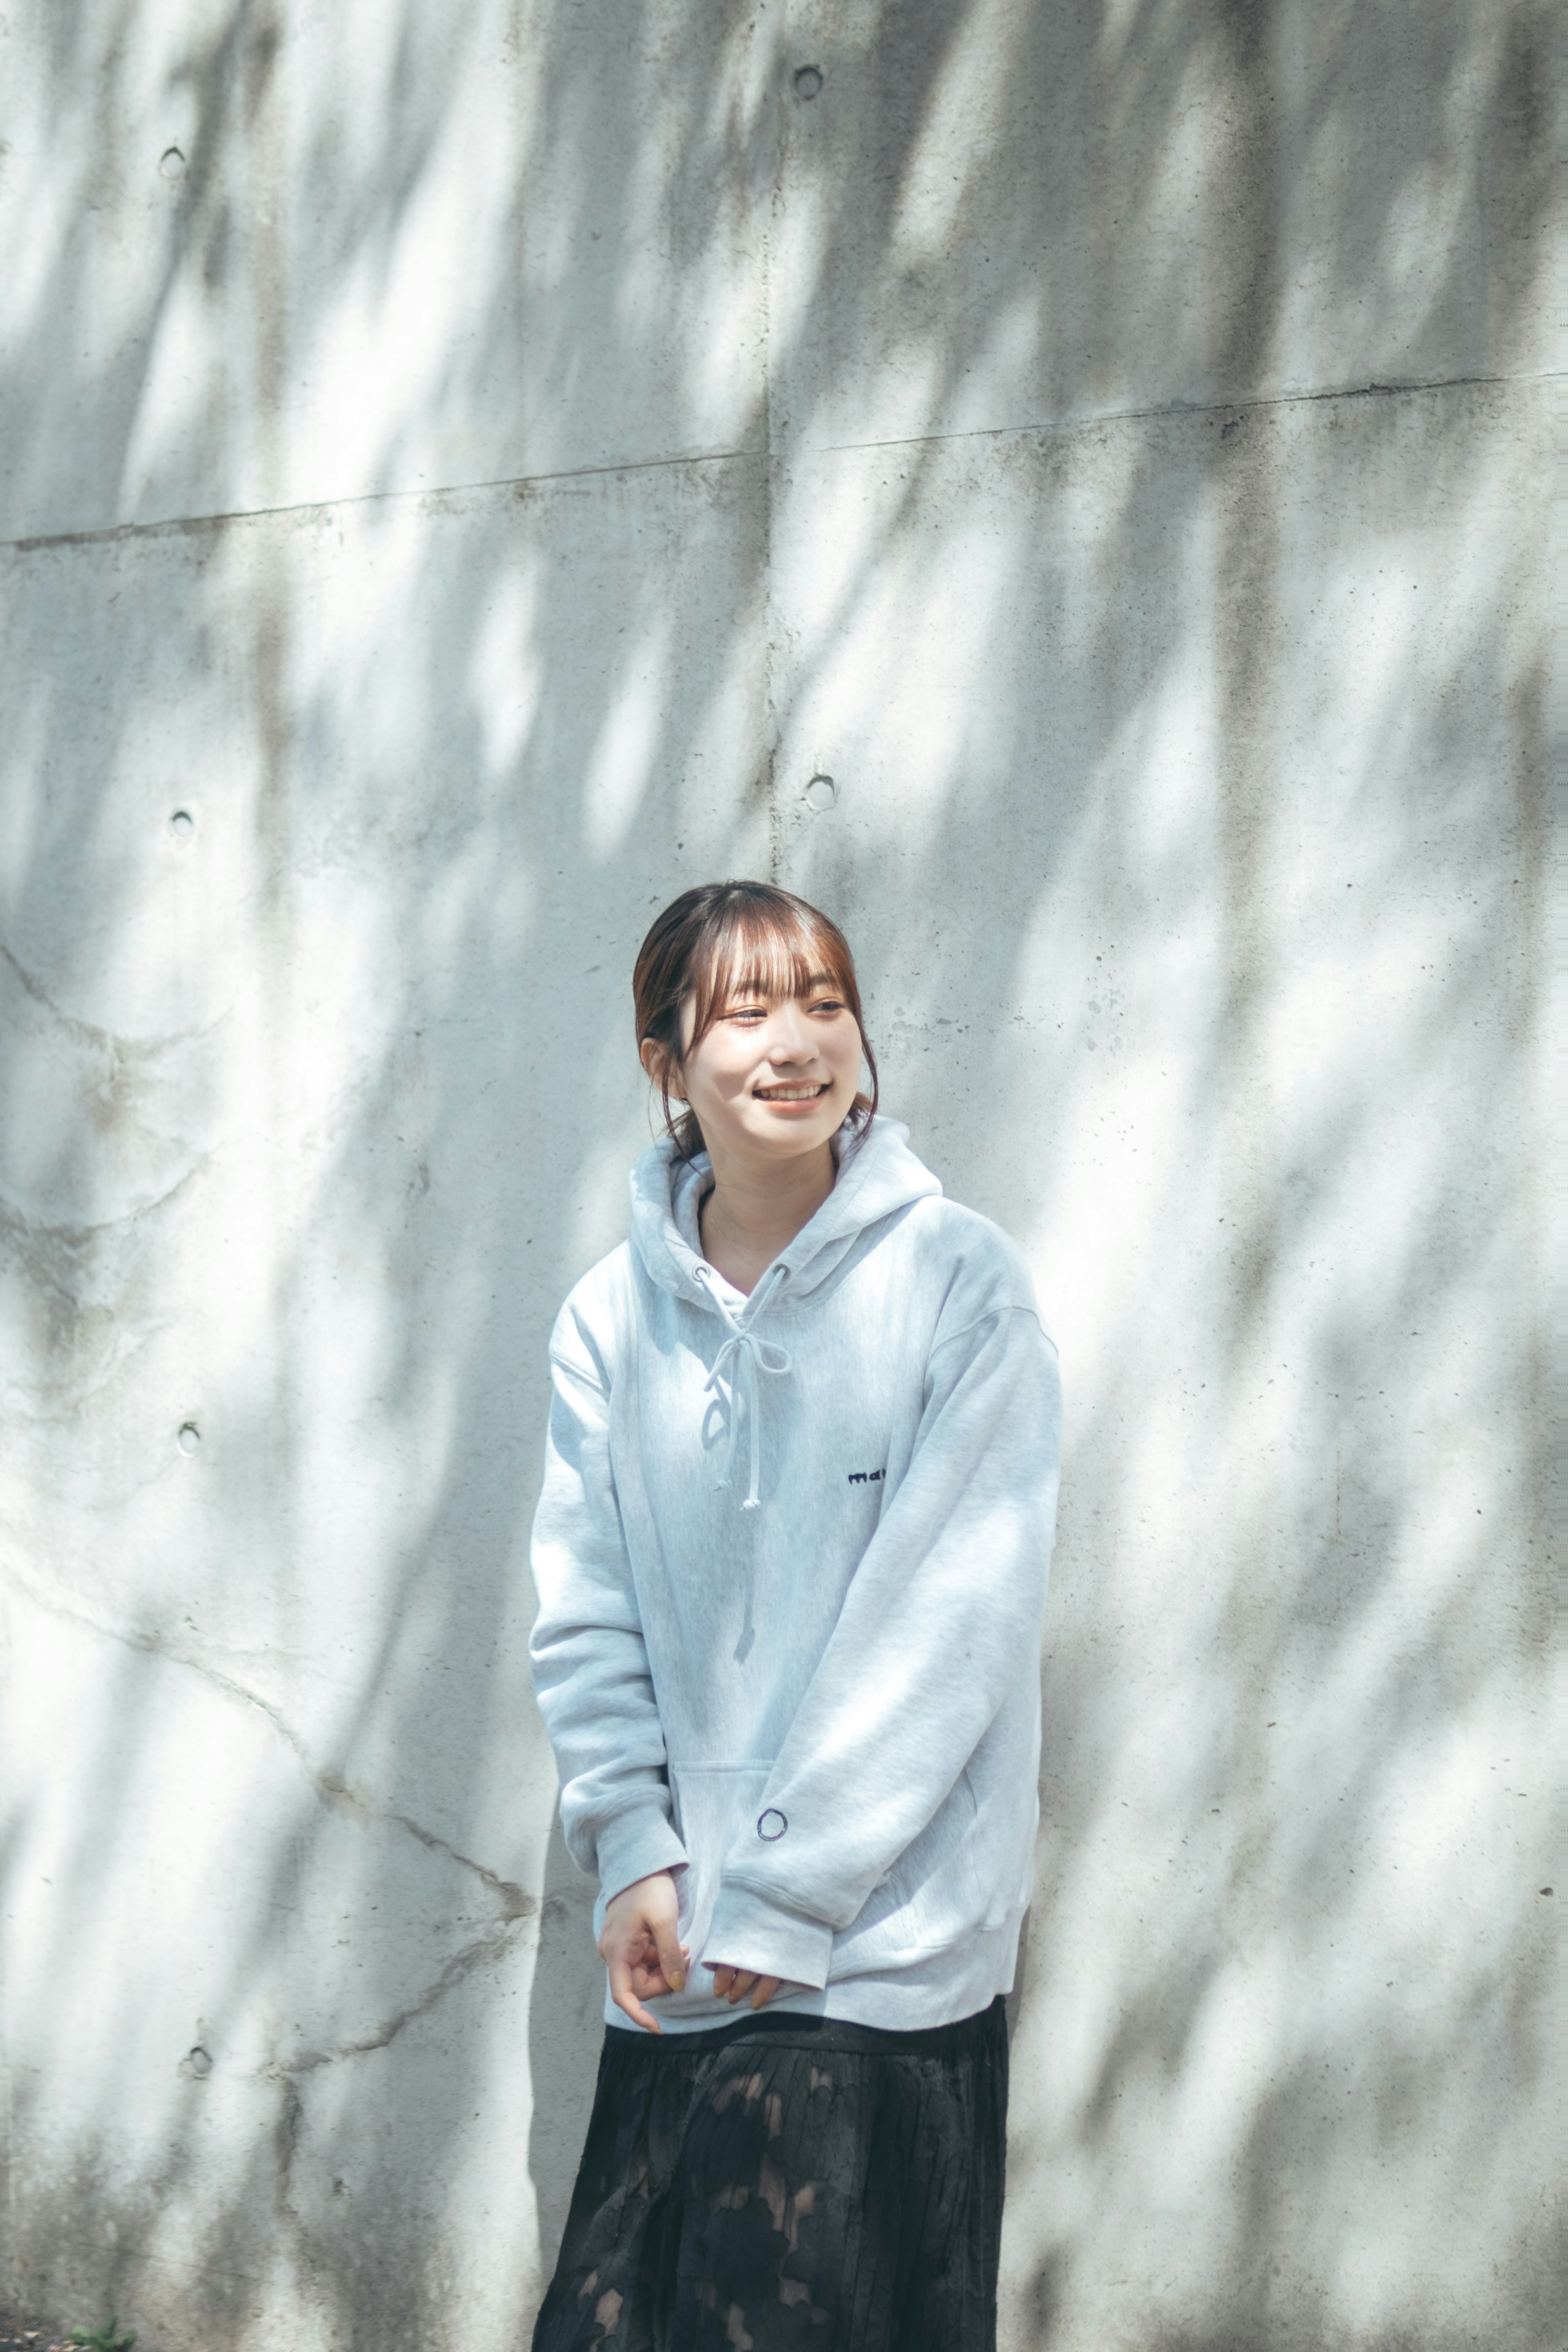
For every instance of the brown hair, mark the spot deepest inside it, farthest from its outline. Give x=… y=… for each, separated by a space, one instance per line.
x=727 y=935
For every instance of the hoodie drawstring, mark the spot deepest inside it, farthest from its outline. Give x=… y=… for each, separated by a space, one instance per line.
x=743 y=1348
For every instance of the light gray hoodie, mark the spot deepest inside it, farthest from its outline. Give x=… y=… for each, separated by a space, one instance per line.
x=791 y=1557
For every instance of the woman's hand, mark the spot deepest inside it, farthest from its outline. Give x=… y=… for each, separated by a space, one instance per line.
x=734 y=1984
x=641 y=1946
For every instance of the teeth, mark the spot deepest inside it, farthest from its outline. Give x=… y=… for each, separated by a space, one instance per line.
x=789 y=1094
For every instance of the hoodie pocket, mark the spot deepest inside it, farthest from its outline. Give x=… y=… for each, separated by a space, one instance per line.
x=931 y=1897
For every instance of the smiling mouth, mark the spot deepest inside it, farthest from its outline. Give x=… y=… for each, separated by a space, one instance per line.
x=793 y=1093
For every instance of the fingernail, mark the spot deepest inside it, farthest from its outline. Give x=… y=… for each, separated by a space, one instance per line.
x=678 y=1982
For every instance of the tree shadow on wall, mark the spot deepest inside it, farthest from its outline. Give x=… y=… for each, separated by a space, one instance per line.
x=450 y=745
x=566 y=2034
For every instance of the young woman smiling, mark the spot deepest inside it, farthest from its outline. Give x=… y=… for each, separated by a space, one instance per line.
x=790 y=1554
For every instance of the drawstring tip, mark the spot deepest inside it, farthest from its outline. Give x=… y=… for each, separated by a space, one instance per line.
x=751 y=1503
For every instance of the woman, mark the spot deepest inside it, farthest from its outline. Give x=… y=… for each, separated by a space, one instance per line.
x=791 y=1557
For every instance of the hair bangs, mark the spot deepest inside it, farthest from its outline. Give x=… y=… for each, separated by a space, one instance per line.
x=766 y=950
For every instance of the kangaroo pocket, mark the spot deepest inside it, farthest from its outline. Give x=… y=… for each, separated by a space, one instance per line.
x=712 y=1804
x=931 y=1897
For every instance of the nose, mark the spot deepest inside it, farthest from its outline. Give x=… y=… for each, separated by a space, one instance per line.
x=789 y=1034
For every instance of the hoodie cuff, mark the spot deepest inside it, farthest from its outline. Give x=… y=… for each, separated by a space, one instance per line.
x=750 y=1931
x=633 y=1845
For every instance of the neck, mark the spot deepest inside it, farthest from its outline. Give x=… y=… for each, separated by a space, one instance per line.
x=754 y=1212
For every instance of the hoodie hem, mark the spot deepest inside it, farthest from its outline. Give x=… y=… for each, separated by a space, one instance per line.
x=942 y=1988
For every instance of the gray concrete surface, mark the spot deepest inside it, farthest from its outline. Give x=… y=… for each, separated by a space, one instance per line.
x=464 y=473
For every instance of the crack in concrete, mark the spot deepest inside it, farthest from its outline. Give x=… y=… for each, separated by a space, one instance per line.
x=20 y=1406
x=104 y=1040
x=23 y=1229
x=488 y=1947
x=334 y=1792
x=77 y=1286
x=286 y=2073
x=518 y=1908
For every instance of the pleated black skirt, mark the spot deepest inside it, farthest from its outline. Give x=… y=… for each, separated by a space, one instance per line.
x=788 y=2184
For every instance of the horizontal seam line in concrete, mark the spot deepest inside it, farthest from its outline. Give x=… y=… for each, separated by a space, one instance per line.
x=38 y=542
x=1192 y=408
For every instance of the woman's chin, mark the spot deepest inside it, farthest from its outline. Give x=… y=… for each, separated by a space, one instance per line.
x=790 y=1128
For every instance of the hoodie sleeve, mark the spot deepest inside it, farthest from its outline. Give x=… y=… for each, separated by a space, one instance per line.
x=590 y=1664
x=940 y=1625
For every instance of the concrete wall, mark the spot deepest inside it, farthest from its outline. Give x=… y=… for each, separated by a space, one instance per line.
x=465 y=469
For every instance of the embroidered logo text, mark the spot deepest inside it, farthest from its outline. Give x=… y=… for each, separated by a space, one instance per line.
x=866 y=1477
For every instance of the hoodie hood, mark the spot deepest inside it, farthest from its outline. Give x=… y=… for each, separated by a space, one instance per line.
x=877 y=1173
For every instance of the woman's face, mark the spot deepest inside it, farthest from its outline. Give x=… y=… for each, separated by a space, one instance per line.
x=775 y=1075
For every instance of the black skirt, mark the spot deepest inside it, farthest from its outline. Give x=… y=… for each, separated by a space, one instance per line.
x=788 y=2184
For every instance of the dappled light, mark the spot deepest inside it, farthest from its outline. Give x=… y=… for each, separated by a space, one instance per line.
x=466 y=471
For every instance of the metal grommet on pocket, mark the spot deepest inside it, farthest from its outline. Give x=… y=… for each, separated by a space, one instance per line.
x=771 y=1825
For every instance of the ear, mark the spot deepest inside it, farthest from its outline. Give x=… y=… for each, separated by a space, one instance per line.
x=662 y=1068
